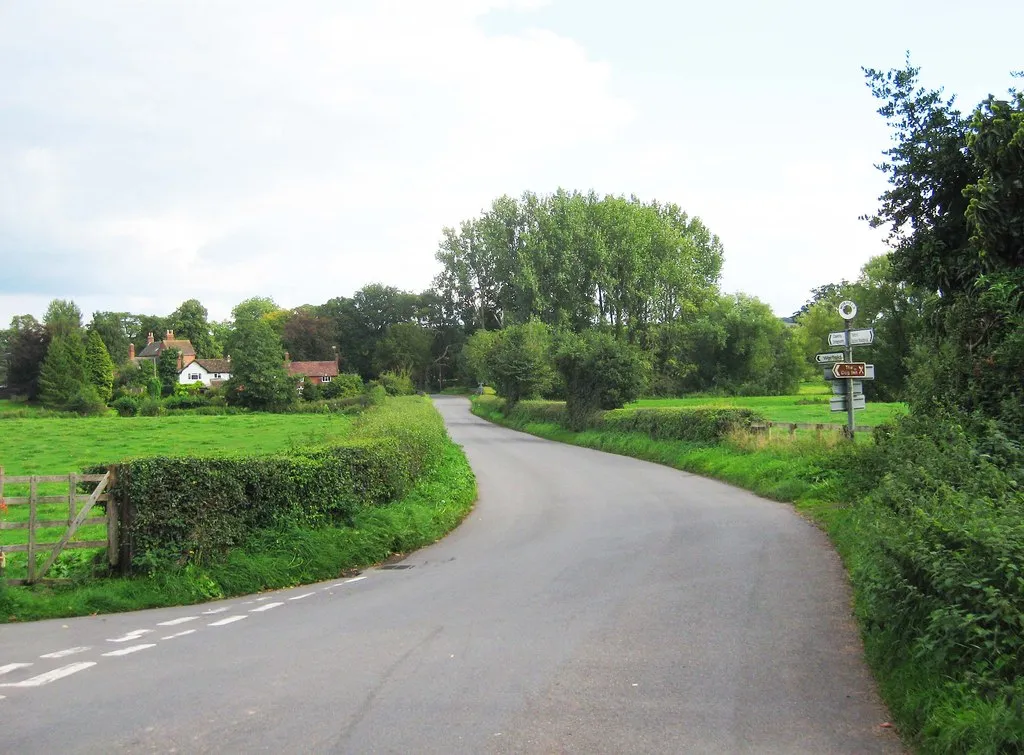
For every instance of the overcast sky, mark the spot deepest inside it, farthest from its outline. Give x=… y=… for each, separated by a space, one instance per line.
x=152 y=152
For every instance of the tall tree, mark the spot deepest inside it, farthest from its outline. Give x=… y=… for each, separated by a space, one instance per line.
x=307 y=336
x=99 y=366
x=63 y=317
x=189 y=322
x=63 y=374
x=258 y=378
x=28 y=344
x=167 y=370
x=117 y=330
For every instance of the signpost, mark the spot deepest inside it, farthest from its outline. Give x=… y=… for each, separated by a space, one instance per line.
x=846 y=369
x=835 y=356
x=839 y=403
x=863 y=337
x=849 y=370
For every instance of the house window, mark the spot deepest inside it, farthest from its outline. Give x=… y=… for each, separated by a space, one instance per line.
x=216 y=376
x=325 y=379
x=194 y=376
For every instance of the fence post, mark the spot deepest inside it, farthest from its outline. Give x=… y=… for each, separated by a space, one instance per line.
x=113 y=546
x=32 y=495
x=72 y=491
x=792 y=430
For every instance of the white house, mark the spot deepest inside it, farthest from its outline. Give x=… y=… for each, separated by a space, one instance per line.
x=209 y=372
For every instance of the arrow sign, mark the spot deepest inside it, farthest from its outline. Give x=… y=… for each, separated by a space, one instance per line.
x=834 y=356
x=849 y=370
x=869 y=373
x=862 y=337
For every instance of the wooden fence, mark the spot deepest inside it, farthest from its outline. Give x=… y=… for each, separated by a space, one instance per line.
x=79 y=506
x=818 y=428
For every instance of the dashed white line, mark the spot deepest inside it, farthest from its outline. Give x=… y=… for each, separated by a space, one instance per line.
x=52 y=676
x=228 y=620
x=175 y=622
x=128 y=651
x=216 y=610
x=133 y=635
x=13 y=667
x=265 y=607
x=354 y=579
x=304 y=595
x=64 y=653
x=179 y=634
x=265 y=598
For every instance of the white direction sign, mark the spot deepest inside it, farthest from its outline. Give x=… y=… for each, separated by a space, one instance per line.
x=838 y=403
x=834 y=356
x=862 y=337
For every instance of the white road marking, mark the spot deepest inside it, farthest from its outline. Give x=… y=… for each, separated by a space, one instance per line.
x=179 y=634
x=175 y=622
x=52 y=676
x=304 y=595
x=64 y=653
x=216 y=610
x=354 y=579
x=265 y=607
x=228 y=620
x=13 y=667
x=133 y=635
x=128 y=651
x=259 y=599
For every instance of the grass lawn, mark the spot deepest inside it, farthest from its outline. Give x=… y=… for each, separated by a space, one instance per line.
x=810 y=405
x=53 y=446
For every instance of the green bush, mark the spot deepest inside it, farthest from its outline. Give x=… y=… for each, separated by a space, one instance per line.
x=86 y=402
x=345 y=385
x=397 y=383
x=186 y=400
x=151 y=407
x=127 y=405
x=195 y=509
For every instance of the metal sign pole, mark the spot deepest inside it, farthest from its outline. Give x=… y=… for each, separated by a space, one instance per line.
x=849 y=384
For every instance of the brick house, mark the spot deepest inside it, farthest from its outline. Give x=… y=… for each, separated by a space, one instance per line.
x=314 y=372
x=153 y=349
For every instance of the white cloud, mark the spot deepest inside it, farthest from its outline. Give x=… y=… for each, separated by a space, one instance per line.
x=226 y=150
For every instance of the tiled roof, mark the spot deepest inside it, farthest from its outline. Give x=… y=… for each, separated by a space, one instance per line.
x=154 y=349
x=313 y=369
x=215 y=365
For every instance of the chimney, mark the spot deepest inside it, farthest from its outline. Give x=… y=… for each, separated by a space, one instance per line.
x=170 y=335
x=131 y=352
x=181 y=364
x=149 y=338
x=229 y=357
x=287 y=357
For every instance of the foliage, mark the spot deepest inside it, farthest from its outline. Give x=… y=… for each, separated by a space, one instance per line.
x=397 y=383
x=599 y=372
x=258 y=378
x=116 y=329
x=311 y=391
x=99 y=366
x=345 y=385
x=189 y=322
x=405 y=348
x=63 y=372
x=86 y=402
x=127 y=406
x=63 y=318
x=28 y=343
x=167 y=370
x=519 y=361
x=308 y=336
x=227 y=500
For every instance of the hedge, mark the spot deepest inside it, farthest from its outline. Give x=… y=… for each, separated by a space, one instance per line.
x=192 y=509
x=673 y=423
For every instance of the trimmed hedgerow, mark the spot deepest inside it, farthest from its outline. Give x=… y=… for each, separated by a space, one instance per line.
x=188 y=509
x=699 y=425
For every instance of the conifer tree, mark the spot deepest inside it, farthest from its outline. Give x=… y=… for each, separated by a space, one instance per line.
x=99 y=366
x=64 y=372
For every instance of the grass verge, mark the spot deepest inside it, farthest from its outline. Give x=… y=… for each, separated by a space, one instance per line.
x=273 y=559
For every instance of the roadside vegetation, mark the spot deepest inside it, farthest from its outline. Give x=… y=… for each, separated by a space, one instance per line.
x=320 y=502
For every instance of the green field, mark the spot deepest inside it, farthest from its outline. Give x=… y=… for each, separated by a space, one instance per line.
x=810 y=405
x=53 y=446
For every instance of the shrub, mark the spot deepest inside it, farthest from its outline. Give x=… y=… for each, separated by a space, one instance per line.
x=598 y=372
x=87 y=402
x=670 y=423
x=345 y=385
x=151 y=407
x=397 y=383
x=127 y=405
x=311 y=390
x=186 y=401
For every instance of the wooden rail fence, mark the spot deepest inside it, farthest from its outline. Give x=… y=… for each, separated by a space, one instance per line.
x=79 y=506
x=819 y=427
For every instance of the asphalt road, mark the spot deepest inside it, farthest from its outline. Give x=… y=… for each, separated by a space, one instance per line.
x=591 y=603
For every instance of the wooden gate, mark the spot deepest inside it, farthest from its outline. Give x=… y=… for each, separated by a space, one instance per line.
x=79 y=506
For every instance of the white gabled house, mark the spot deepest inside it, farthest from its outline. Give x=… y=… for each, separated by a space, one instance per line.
x=209 y=372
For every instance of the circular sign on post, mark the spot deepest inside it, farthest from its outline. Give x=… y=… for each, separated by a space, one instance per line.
x=847 y=310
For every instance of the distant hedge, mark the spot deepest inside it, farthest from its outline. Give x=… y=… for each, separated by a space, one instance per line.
x=674 y=423
x=191 y=509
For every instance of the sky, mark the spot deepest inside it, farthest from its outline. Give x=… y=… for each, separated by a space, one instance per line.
x=219 y=149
